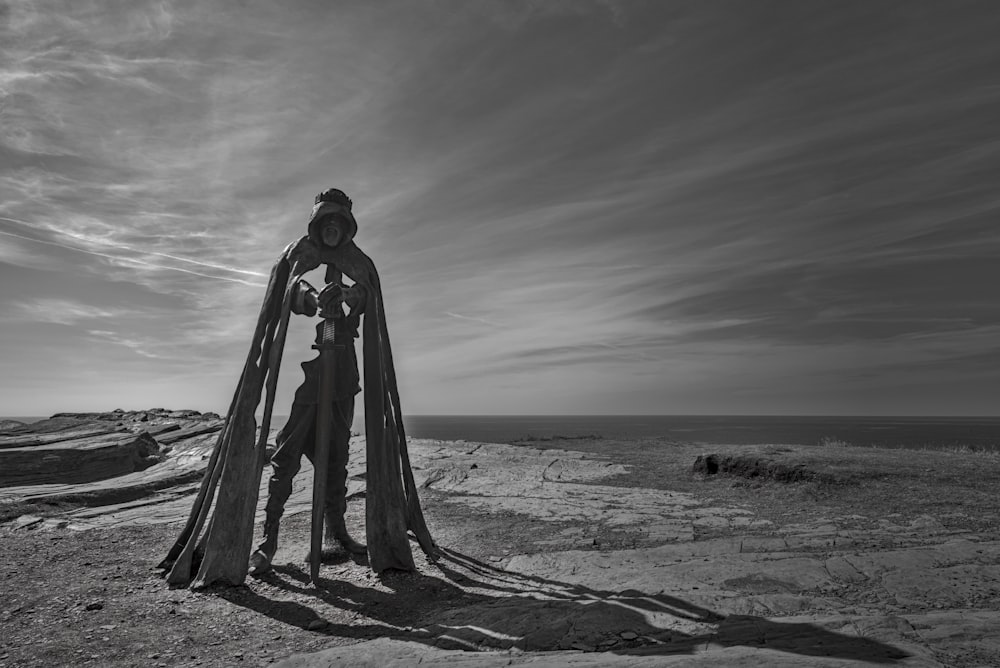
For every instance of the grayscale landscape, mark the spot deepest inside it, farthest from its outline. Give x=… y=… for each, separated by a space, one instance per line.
x=621 y=333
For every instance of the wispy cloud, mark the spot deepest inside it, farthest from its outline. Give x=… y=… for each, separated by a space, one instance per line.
x=61 y=311
x=138 y=347
x=469 y=318
x=122 y=259
x=574 y=206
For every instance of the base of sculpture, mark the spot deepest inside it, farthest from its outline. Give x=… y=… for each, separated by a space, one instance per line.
x=262 y=558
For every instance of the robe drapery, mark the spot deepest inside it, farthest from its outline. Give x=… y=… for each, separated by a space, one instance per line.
x=220 y=553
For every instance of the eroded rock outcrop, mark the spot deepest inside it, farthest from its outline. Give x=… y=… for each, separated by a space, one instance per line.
x=80 y=460
x=74 y=448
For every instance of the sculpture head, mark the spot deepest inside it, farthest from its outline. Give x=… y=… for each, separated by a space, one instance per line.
x=332 y=222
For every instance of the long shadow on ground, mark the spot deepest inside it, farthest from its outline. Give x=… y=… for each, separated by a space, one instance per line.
x=539 y=614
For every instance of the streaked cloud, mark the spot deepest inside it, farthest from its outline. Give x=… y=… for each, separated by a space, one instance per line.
x=575 y=206
x=61 y=311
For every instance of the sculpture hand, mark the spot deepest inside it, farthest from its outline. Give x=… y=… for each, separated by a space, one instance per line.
x=354 y=297
x=330 y=297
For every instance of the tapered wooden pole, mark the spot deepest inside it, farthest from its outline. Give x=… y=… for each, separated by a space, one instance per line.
x=321 y=453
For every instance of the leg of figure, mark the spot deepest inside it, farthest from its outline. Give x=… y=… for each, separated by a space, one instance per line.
x=342 y=414
x=336 y=495
x=286 y=462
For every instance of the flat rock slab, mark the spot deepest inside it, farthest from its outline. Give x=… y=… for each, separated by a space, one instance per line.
x=189 y=431
x=26 y=439
x=558 y=486
x=77 y=460
x=164 y=492
x=101 y=448
x=492 y=477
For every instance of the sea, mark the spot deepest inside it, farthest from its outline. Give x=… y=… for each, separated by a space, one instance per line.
x=974 y=433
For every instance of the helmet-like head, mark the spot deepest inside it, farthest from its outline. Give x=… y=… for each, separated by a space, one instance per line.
x=332 y=222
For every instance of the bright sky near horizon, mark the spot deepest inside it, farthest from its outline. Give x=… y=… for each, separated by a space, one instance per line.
x=575 y=206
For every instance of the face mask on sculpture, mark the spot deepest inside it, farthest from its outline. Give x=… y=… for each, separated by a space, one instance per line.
x=331 y=225
x=332 y=231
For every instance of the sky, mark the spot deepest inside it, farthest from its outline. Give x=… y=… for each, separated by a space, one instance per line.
x=576 y=207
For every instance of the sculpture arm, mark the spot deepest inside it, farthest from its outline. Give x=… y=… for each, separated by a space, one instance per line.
x=303 y=255
x=305 y=299
x=355 y=297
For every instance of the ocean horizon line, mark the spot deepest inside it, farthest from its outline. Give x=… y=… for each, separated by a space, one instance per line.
x=866 y=416
x=947 y=431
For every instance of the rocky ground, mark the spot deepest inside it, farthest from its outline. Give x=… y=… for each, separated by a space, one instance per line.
x=582 y=552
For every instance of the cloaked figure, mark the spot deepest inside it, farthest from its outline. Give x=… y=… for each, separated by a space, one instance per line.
x=319 y=424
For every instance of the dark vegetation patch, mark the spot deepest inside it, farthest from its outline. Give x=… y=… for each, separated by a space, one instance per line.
x=758 y=468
